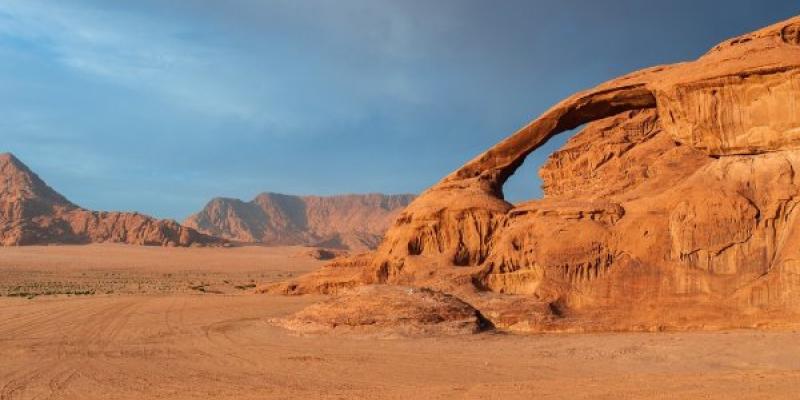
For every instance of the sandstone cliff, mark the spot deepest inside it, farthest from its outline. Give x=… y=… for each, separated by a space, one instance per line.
x=355 y=222
x=33 y=213
x=675 y=206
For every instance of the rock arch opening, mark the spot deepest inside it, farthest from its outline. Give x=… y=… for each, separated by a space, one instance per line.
x=526 y=183
x=497 y=164
x=459 y=216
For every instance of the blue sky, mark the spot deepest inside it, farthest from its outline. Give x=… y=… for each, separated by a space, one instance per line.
x=158 y=106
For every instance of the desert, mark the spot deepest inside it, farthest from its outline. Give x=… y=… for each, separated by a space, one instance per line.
x=174 y=341
x=388 y=251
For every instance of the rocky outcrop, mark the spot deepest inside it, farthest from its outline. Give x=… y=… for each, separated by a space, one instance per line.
x=394 y=310
x=354 y=222
x=673 y=207
x=33 y=213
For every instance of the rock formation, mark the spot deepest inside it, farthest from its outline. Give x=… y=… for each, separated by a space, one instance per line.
x=389 y=309
x=674 y=207
x=354 y=222
x=33 y=213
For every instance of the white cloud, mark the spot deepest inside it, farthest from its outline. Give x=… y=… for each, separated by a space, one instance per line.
x=280 y=67
x=127 y=49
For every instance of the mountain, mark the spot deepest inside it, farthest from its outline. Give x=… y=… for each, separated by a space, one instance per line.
x=675 y=206
x=353 y=221
x=31 y=212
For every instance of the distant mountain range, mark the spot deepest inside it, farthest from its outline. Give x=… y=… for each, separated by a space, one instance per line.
x=31 y=212
x=353 y=221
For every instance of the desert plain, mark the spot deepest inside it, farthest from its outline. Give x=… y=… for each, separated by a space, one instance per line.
x=662 y=262
x=107 y=321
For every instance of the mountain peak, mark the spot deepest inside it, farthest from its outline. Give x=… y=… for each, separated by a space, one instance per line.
x=18 y=182
x=31 y=212
x=11 y=161
x=351 y=221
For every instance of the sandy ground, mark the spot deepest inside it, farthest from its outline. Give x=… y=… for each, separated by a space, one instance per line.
x=122 y=269
x=171 y=343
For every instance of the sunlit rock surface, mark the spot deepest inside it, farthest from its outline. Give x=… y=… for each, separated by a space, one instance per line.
x=674 y=207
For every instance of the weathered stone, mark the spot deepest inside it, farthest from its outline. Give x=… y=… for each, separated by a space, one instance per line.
x=674 y=207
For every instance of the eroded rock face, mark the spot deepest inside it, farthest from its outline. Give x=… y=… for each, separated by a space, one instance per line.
x=352 y=222
x=737 y=114
x=33 y=213
x=674 y=207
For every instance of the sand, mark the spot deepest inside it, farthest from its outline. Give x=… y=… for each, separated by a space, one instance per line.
x=126 y=269
x=175 y=342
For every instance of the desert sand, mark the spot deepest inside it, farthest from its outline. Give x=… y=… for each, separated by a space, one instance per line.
x=172 y=341
x=31 y=271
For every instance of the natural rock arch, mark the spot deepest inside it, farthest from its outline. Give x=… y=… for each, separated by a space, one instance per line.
x=751 y=76
x=498 y=163
x=677 y=204
x=721 y=127
x=457 y=217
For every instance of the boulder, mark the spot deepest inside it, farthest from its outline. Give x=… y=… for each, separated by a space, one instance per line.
x=381 y=309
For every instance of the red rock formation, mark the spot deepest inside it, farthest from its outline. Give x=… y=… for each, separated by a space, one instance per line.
x=355 y=222
x=33 y=213
x=675 y=206
x=389 y=309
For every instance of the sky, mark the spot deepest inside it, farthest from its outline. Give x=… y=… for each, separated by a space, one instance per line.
x=158 y=106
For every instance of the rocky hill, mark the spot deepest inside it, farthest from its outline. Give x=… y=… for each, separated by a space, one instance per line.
x=355 y=222
x=31 y=212
x=674 y=207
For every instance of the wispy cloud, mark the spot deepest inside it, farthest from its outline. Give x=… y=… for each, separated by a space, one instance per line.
x=210 y=97
x=367 y=62
x=124 y=48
